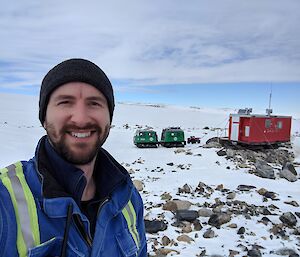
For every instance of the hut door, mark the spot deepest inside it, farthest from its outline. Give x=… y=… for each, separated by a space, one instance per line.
x=235 y=128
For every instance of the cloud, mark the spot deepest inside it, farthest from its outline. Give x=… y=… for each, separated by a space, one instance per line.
x=153 y=42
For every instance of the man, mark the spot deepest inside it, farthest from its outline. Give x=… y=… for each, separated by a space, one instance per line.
x=72 y=198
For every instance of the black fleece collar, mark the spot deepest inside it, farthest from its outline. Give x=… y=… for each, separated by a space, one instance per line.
x=61 y=178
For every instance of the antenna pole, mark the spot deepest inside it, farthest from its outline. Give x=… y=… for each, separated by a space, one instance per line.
x=270 y=99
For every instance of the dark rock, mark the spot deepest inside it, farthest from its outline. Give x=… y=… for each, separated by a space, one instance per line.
x=254 y=253
x=153 y=226
x=245 y=187
x=241 y=231
x=221 y=153
x=288 y=218
x=170 y=163
x=218 y=219
x=186 y=215
x=270 y=195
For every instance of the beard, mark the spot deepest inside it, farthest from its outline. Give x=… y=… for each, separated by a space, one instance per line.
x=83 y=153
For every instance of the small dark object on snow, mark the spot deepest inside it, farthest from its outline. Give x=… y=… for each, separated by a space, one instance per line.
x=193 y=140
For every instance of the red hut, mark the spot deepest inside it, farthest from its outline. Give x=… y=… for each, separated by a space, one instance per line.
x=248 y=128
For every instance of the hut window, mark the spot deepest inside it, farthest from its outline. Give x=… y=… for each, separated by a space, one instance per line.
x=279 y=125
x=268 y=123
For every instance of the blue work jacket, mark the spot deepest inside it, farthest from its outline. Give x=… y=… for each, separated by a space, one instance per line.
x=115 y=233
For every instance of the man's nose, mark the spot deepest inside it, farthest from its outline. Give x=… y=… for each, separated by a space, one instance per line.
x=79 y=115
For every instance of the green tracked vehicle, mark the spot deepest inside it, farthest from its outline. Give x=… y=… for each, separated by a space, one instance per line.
x=145 y=138
x=172 y=137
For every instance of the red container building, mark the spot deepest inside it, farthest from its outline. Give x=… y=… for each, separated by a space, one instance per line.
x=256 y=129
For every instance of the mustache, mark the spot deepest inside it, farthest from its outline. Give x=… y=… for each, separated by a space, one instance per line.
x=88 y=126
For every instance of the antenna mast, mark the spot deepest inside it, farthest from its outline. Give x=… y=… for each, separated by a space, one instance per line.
x=269 y=110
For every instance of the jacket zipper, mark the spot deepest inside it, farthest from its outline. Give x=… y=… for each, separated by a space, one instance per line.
x=80 y=226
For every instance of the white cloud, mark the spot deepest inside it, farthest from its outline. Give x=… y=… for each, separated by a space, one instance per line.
x=153 y=41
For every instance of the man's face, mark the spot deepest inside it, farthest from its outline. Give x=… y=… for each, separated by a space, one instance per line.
x=77 y=121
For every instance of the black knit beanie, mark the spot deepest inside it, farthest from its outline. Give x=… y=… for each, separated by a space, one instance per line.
x=75 y=70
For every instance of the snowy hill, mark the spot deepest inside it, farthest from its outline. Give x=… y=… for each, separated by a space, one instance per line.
x=210 y=183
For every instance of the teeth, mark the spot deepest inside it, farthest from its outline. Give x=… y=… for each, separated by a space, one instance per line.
x=81 y=135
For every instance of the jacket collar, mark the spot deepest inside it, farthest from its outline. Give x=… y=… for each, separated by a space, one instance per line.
x=62 y=179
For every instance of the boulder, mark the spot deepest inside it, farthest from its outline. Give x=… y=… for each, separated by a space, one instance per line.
x=264 y=170
x=186 y=215
x=153 y=226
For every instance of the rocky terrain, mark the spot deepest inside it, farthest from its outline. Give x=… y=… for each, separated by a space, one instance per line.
x=198 y=214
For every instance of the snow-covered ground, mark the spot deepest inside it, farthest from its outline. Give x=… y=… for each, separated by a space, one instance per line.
x=20 y=130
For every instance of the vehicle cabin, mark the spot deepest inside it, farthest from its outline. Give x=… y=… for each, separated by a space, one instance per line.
x=247 y=128
x=145 y=138
x=172 y=137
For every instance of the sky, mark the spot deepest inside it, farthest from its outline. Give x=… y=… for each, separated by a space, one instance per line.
x=228 y=53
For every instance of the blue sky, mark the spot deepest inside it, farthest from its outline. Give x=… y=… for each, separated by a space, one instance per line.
x=196 y=53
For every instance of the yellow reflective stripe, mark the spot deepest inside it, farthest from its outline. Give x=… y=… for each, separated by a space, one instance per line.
x=31 y=207
x=22 y=249
x=130 y=217
x=134 y=221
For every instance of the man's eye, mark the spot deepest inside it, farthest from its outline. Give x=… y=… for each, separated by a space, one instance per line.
x=63 y=102
x=95 y=104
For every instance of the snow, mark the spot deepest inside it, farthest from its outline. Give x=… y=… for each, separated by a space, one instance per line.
x=20 y=131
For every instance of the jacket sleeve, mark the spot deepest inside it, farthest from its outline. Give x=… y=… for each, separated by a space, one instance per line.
x=8 y=226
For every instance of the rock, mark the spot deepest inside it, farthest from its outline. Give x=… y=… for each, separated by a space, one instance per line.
x=179 y=150
x=175 y=205
x=170 y=206
x=232 y=225
x=209 y=233
x=165 y=241
x=231 y=196
x=187 y=228
x=186 y=215
x=262 y=191
x=204 y=212
x=254 y=253
x=153 y=226
x=289 y=166
x=221 y=153
x=288 y=175
x=288 y=218
x=233 y=253
x=185 y=189
x=218 y=219
x=138 y=185
x=166 y=196
x=197 y=225
x=293 y=203
x=185 y=238
x=161 y=252
x=245 y=187
x=270 y=195
x=182 y=205
x=230 y=153
x=241 y=231
x=264 y=170
x=170 y=163
x=285 y=252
